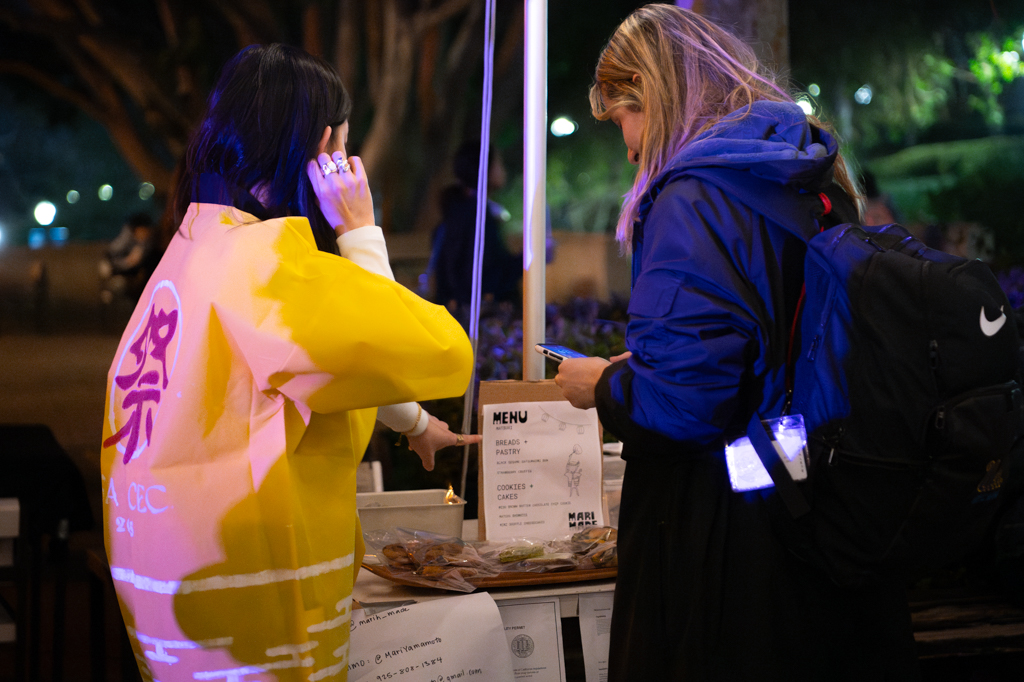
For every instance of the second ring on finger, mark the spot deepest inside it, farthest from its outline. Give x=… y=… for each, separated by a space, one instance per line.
x=343 y=164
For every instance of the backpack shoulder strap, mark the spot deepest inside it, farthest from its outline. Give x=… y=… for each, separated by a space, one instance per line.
x=765 y=445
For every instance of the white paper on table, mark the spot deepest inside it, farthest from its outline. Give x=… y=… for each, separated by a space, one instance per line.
x=442 y=639
x=541 y=470
x=533 y=628
x=595 y=632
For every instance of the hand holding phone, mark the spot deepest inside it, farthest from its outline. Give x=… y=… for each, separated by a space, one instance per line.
x=557 y=353
x=578 y=379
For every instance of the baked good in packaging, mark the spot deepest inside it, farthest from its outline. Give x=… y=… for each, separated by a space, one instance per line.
x=606 y=557
x=514 y=553
x=397 y=556
x=588 y=538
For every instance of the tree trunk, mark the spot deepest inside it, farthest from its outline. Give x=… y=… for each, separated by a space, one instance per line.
x=764 y=24
x=394 y=73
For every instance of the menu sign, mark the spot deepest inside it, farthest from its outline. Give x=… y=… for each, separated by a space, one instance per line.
x=541 y=469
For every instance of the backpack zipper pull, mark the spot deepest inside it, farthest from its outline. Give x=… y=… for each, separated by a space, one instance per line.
x=835 y=445
x=813 y=348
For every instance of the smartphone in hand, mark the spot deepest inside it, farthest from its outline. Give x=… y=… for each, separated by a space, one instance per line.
x=557 y=353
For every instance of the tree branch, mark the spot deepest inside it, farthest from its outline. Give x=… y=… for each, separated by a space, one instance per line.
x=374 y=18
x=52 y=86
x=346 y=43
x=167 y=23
x=124 y=68
x=257 y=16
x=512 y=42
x=448 y=9
x=92 y=17
x=64 y=30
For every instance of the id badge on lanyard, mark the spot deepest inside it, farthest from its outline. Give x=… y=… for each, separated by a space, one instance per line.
x=746 y=472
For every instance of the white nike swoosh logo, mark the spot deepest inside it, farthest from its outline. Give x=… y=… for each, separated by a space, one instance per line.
x=992 y=327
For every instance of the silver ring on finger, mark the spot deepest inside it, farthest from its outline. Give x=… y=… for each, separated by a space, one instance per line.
x=328 y=168
x=343 y=164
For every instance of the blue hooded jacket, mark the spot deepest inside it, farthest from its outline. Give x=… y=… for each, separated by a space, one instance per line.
x=718 y=251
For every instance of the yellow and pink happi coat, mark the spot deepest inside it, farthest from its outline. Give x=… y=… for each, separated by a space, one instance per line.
x=240 y=402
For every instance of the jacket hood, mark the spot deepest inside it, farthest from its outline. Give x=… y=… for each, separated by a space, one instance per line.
x=771 y=140
x=756 y=153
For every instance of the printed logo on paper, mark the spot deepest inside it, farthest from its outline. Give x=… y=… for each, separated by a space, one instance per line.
x=522 y=646
x=143 y=371
x=582 y=519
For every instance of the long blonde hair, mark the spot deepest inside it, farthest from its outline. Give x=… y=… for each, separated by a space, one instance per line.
x=685 y=74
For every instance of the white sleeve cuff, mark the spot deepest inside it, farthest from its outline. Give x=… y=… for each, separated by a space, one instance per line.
x=365 y=246
x=403 y=418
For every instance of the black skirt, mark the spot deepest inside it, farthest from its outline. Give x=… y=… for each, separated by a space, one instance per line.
x=706 y=592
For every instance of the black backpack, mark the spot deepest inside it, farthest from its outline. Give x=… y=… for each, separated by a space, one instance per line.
x=907 y=380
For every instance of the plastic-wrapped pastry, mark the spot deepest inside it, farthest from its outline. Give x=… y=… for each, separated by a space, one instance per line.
x=606 y=557
x=444 y=553
x=398 y=556
x=514 y=553
x=442 y=571
x=589 y=537
x=555 y=561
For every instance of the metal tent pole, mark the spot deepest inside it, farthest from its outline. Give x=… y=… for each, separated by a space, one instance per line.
x=534 y=186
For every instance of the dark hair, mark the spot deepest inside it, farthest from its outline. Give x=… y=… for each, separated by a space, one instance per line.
x=466 y=164
x=263 y=123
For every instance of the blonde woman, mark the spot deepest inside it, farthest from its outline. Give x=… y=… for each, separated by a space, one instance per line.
x=732 y=179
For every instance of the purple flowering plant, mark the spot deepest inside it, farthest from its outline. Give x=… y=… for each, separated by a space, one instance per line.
x=1012 y=282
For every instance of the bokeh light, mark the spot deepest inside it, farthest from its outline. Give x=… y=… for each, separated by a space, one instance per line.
x=37 y=238
x=814 y=89
x=105 y=193
x=73 y=197
x=563 y=126
x=146 y=191
x=59 y=235
x=45 y=212
x=863 y=94
x=805 y=105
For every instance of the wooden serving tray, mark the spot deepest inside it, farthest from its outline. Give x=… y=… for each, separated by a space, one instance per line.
x=509 y=579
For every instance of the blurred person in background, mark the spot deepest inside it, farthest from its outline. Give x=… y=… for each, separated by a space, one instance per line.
x=451 y=253
x=130 y=258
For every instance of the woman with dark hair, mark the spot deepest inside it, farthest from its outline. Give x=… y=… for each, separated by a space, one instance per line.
x=245 y=387
x=733 y=181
